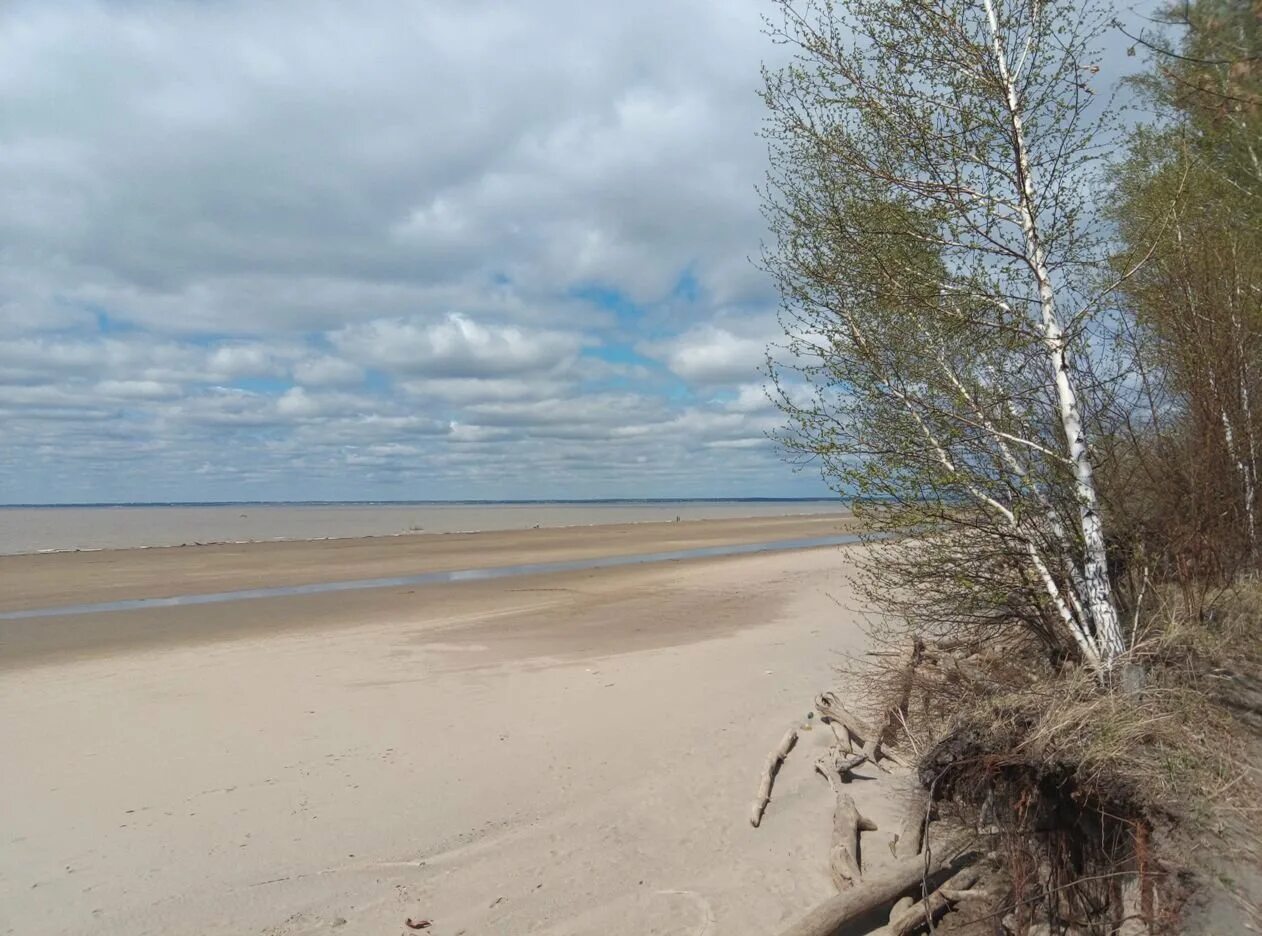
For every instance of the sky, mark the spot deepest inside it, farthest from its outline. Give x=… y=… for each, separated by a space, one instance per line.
x=309 y=250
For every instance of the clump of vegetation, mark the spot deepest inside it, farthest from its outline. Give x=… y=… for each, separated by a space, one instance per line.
x=1035 y=367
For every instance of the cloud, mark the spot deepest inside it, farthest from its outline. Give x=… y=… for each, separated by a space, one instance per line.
x=750 y=398
x=298 y=403
x=469 y=390
x=326 y=370
x=348 y=151
x=714 y=354
x=233 y=361
x=455 y=347
x=137 y=390
x=427 y=249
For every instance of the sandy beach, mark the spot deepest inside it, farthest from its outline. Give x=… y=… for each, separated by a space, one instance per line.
x=564 y=754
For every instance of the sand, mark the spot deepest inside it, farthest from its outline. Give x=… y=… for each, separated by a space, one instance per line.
x=559 y=754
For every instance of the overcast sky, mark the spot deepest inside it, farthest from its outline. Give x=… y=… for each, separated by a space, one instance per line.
x=361 y=250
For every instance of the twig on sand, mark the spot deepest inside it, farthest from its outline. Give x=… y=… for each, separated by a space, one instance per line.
x=774 y=760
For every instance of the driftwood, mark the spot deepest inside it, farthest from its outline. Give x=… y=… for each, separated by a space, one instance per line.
x=879 y=890
x=836 y=766
x=842 y=734
x=914 y=917
x=851 y=729
x=913 y=870
x=832 y=712
x=774 y=760
x=901 y=904
x=844 y=856
x=910 y=838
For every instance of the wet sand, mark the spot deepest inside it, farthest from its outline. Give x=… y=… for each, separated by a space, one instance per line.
x=37 y=580
x=559 y=754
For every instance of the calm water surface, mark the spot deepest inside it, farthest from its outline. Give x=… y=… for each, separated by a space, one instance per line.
x=44 y=529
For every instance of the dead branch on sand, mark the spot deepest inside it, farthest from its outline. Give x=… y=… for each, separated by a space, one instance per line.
x=774 y=760
x=880 y=889
x=844 y=856
x=952 y=891
x=914 y=867
x=874 y=742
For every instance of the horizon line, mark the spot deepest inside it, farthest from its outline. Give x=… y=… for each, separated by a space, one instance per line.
x=421 y=502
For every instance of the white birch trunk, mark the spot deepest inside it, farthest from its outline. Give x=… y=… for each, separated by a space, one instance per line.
x=1099 y=592
x=1234 y=455
x=1087 y=643
x=1249 y=471
x=1076 y=588
x=1246 y=479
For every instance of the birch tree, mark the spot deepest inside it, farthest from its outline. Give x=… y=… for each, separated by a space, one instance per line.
x=938 y=257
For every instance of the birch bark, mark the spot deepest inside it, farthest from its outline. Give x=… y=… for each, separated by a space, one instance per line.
x=1100 y=604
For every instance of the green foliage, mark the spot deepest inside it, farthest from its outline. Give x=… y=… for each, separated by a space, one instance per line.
x=938 y=257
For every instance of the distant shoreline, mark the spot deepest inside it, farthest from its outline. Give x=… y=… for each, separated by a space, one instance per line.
x=471 y=502
x=69 y=528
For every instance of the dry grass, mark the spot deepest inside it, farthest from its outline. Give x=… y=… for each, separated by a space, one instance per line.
x=1083 y=788
x=1171 y=746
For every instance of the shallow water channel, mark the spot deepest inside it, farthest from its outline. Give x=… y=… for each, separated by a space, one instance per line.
x=432 y=578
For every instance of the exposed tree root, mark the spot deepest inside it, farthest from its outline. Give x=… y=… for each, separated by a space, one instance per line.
x=896 y=714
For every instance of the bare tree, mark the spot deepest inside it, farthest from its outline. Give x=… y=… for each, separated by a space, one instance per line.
x=1197 y=305
x=939 y=259
x=1185 y=486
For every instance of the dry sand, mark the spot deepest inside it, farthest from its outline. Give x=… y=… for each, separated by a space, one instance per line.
x=560 y=754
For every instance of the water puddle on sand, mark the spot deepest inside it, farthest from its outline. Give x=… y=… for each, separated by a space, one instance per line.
x=431 y=578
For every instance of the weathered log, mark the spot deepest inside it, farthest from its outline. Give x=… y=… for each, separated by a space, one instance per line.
x=901 y=904
x=842 y=734
x=879 y=889
x=910 y=838
x=831 y=712
x=844 y=858
x=847 y=725
x=830 y=709
x=774 y=760
x=836 y=765
x=936 y=904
